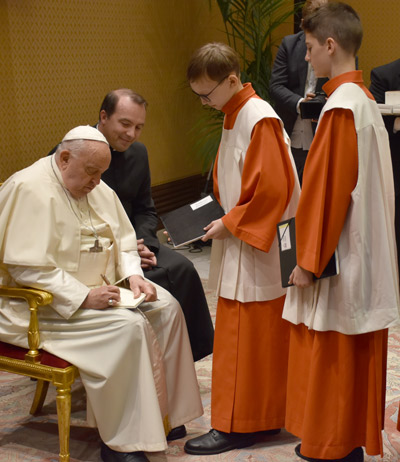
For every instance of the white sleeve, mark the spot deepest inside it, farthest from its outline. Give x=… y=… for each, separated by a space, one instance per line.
x=68 y=293
x=130 y=264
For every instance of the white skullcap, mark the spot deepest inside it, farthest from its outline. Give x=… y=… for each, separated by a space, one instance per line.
x=85 y=132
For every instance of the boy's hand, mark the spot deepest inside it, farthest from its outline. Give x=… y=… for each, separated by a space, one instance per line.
x=301 y=277
x=216 y=230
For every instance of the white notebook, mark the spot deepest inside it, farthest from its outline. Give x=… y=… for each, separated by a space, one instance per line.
x=127 y=300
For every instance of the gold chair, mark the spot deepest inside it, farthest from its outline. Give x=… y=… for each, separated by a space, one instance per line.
x=41 y=365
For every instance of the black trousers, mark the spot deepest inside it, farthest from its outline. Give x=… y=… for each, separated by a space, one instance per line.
x=299 y=156
x=177 y=274
x=397 y=228
x=395 y=154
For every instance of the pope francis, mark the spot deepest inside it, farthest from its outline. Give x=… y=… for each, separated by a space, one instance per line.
x=63 y=230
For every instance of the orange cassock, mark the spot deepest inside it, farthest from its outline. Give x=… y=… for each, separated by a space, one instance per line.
x=249 y=366
x=336 y=382
x=336 y=391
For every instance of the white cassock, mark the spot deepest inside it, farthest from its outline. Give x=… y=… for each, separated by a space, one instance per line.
x=136 y=366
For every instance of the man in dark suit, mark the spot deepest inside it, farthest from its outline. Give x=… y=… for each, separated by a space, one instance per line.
x=292 y=82
x=387 y=78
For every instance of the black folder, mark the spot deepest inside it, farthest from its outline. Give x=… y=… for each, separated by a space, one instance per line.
x=186 y=224
x=287 y=253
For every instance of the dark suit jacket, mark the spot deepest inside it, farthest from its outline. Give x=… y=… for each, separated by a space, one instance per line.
x=387 y=78
x=288 y=78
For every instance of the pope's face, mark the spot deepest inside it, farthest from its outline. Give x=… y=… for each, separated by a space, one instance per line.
x=125 y=125
x=81 y=173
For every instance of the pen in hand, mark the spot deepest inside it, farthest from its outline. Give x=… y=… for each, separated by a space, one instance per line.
x=111 y=300
x=105 y=279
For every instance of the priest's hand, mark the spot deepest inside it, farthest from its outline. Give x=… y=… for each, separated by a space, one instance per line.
x=216 y=230
x=99 y=297
x=147 y=257
x=300 y=277
x=139 y=286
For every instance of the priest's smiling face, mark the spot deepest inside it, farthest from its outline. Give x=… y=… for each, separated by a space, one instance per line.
x=125 y=125
x=81 y=168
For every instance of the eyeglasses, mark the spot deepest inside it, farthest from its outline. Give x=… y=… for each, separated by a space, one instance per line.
x=206 y=97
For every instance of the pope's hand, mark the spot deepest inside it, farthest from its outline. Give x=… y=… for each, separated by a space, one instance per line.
x=139 y=286
x=99 y=297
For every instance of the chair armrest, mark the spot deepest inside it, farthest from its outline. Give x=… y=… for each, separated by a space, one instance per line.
x=34 y=298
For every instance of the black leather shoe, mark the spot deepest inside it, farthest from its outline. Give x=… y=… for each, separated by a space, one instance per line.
x=177 y=433
x=216 y=442
x=356 y=455
x=109 y=455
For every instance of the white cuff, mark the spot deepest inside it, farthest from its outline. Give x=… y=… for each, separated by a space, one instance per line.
x=298 y=105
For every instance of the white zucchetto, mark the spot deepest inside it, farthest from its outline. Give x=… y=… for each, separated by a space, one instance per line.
x=85 y=132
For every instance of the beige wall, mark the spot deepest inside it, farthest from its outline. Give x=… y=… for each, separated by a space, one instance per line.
x=59 y=58
x=381 y=24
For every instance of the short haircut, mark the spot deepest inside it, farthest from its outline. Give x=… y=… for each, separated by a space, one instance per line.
x=339 y=21
x=110 y=102
x=215 y=61
x=310 y=6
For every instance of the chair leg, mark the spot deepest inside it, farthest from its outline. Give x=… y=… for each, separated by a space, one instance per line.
x=64 y=418
x=40 y=395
